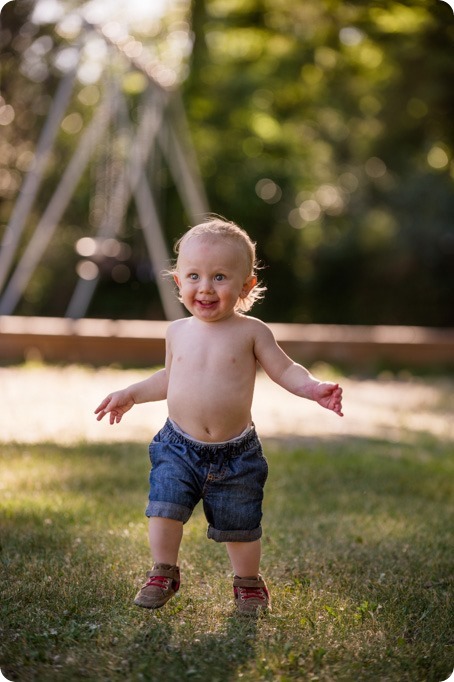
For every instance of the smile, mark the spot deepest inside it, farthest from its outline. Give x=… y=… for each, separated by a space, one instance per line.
x=206 y=304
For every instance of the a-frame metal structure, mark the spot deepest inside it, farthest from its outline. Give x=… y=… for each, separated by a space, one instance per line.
x=161 y=124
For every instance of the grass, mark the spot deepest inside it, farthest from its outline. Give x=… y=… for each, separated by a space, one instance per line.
x=357 y=550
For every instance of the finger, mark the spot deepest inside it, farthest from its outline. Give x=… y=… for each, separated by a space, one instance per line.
x=102 y=405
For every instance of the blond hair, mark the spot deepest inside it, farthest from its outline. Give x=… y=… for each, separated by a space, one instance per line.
x=218 y=227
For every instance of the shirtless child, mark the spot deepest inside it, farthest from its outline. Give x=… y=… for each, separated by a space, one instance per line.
x=208 y=449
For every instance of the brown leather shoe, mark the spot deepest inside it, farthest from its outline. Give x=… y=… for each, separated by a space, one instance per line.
x=251 y=595
x=163 y=582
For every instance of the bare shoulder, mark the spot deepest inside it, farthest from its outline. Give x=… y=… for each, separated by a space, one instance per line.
x=258 y=328
x=260 y=335
x=177 y=327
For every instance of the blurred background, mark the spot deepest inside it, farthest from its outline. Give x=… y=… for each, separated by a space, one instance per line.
x=324 y=128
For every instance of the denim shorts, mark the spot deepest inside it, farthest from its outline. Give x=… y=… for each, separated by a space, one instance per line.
x=229 y=477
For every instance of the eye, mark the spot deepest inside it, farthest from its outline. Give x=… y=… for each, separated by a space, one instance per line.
x=219 y=277
x=193 y=276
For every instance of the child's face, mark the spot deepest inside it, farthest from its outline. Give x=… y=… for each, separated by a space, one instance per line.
x=212 y=274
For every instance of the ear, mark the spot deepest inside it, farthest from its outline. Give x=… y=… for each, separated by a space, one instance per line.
x=177 y=281
x=248 y=285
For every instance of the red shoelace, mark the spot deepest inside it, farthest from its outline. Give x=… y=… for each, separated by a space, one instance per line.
x=158 y=581
x=252 y=593
x=162 y=582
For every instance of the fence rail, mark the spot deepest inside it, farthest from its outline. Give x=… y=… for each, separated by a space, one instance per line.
x=141 y=342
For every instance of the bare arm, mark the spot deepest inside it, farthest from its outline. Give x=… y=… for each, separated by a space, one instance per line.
x=150 y=390
x=294 y=377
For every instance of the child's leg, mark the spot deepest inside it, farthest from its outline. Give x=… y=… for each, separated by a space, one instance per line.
x=164 y=578
x=250 y=590
x=165 y=539
x=245 y=558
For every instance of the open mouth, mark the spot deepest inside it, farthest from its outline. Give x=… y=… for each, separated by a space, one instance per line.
x=206 y=304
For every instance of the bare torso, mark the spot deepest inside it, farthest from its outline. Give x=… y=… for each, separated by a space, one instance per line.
x=211 y=375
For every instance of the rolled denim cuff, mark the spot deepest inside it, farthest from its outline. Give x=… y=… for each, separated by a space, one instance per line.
x=234 y=535
x=168 y=510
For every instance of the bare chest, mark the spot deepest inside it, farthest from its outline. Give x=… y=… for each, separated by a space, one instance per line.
x=215 y=354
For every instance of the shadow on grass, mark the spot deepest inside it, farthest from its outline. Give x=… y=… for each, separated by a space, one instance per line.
x=357 y=551
x=170 y=648
x=72 y=554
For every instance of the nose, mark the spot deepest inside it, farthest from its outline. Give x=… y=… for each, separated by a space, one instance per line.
x=205 y=285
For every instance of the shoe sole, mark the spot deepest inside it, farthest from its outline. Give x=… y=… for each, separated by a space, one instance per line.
x=137 y=602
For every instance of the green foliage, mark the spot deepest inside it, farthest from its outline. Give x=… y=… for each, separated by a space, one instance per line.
x=324 y=128
x=345 y=109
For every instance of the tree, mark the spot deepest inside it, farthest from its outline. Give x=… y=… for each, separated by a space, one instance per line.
x=324 y=128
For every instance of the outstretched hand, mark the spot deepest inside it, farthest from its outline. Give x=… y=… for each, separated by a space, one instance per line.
x=116 y=404
x=329 y=395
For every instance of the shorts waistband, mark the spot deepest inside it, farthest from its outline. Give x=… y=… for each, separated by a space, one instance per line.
x=230 y=448
x=204 y=442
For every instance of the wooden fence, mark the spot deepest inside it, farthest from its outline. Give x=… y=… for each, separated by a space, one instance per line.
x=141 y=343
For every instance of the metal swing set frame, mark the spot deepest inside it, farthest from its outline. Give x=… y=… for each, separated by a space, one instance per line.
x=162 y=118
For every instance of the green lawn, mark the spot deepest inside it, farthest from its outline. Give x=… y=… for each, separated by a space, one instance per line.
x=357 y=551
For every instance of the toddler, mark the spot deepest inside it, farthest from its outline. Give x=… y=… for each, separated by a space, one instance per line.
x=208 y=448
